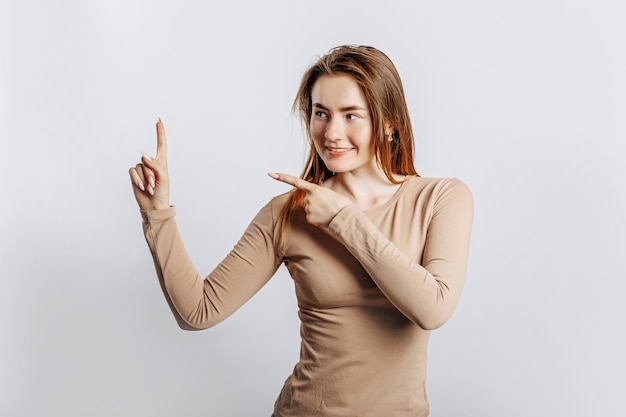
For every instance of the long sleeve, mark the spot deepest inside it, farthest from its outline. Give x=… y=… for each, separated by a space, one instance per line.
x=425 y=290
x=199 y=303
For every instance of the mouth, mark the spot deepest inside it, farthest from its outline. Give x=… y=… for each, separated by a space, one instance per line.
x=338 y=151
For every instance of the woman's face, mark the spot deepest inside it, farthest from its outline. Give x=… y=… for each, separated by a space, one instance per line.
x=341 y=124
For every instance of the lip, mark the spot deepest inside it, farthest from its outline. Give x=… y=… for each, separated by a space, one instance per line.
x=337 y=151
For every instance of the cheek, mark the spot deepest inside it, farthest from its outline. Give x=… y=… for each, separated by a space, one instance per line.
x=317 y=138
x=365 y=137
x=316 y=130
x=317 y=134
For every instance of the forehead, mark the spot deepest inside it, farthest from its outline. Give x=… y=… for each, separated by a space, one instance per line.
x=337 y=90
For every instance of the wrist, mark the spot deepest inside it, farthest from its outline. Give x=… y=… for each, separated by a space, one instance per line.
x=159 y=206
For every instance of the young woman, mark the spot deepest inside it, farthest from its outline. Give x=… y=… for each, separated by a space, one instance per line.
x=378 y=254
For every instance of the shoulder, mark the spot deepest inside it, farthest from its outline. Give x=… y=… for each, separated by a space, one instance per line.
x=420 y=185
x=277 y=203
x=271 y=210
x=438 y=191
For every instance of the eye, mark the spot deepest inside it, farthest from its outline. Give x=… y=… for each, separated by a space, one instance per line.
x=320 y=114
x=352 y=116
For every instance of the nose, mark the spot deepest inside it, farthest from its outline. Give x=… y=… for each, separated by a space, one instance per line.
x=334 y=129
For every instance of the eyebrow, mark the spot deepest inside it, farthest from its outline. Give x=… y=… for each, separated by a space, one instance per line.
x=348 y=108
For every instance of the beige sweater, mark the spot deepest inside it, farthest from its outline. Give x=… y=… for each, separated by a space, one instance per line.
x=369 y=288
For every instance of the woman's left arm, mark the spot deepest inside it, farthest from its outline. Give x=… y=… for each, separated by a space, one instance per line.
x=426 y=293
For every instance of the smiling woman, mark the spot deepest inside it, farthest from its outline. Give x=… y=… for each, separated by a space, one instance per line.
x=341 y=125
x=378 y=254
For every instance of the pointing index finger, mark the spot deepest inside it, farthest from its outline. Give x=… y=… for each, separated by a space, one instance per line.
x=161 y=153
x=291 y=180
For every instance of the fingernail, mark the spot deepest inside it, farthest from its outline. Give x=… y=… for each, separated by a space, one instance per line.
x=159 y=120
x=273 y=175
x=150 y=190
x=151 y=180
x=141 y=187
x=145 y=155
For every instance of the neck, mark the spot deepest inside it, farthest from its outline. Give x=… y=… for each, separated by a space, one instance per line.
x=366 y=189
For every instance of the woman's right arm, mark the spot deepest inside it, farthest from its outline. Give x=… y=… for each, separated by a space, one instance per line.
x=199 y=303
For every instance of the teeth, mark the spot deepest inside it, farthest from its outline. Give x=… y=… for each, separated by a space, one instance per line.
x=338 y=149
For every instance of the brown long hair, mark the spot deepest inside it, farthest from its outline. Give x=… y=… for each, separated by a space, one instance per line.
x=381 y=85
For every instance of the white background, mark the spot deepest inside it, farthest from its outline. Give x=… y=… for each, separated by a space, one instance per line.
x=523 y=100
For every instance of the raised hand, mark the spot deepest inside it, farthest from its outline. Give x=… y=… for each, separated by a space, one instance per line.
x=320 y=204
x=150 y=178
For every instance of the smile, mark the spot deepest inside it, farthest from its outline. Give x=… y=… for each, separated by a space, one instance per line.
x=338 y=150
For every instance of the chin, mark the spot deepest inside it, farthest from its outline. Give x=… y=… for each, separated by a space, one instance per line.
x=337 y=168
